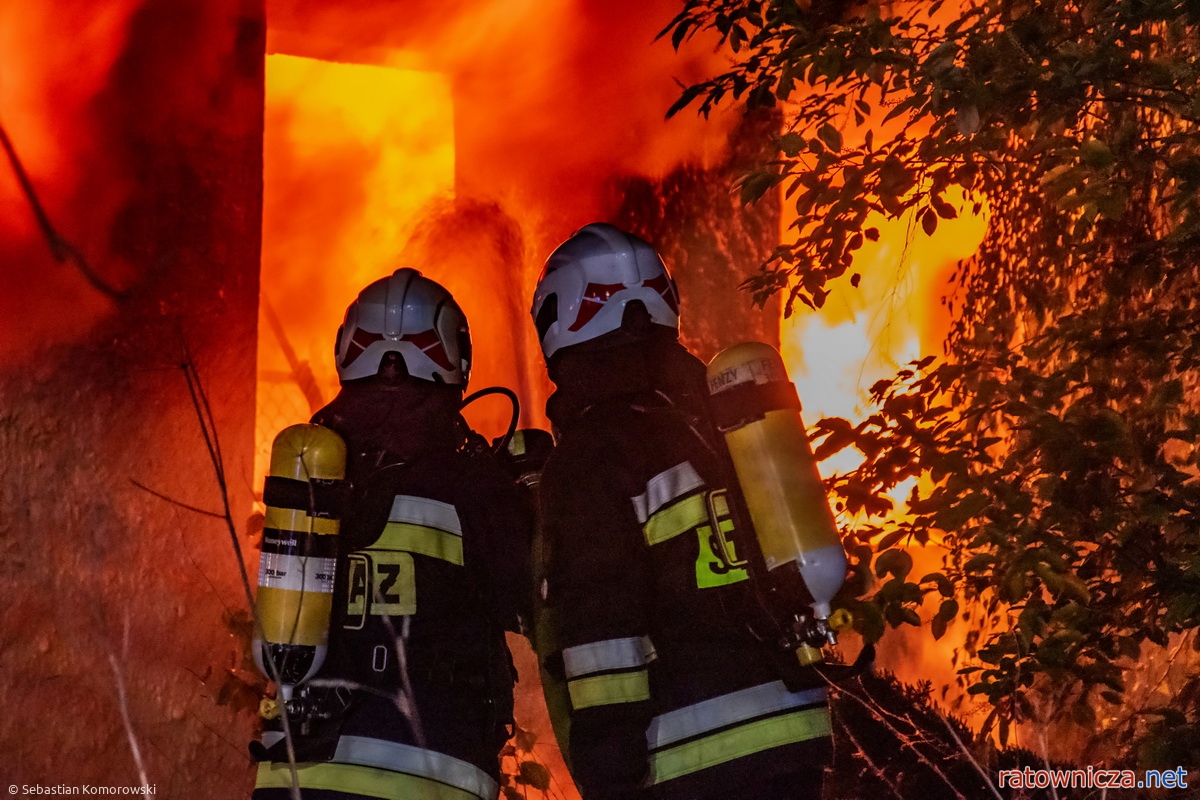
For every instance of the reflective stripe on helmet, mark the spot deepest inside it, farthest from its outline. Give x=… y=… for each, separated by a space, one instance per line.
x=590 y=279
x=732 y=726
x=381 y=769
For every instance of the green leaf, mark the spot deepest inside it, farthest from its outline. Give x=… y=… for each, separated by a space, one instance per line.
x=680 y=31
x=945 y=615
x=1031 y=623
x=830 y=136
x=929 y=221
x=524 y=739
x=534 y=774
x=893 y=562
x=890 y=539
x=944 y=587
x=755 y=185
x=737 y=37
x=791 y=144
x=868 y=621
x=967 y=120
x=1096 y=154
x=839 y=438
x=943 y=209
x=685 y=99
x=956 y=516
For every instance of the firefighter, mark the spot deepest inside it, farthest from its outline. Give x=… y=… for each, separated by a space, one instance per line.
x=673 y=693
x=415 y=697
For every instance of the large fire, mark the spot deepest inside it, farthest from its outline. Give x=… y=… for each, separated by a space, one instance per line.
x=865 y=334
x=464 y=146
x=372 y=166
x=51 y=121
x=448 y=137
x=352 y=153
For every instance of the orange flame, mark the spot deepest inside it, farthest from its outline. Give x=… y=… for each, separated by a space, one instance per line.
x=465 y=142
x=351 y=154
x=866 y=334
x=48 y=80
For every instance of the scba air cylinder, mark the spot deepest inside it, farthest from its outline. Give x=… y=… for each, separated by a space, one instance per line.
x=757 y=409
x=299 y=551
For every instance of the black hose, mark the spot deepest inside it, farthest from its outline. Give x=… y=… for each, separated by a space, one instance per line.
x=502 y=443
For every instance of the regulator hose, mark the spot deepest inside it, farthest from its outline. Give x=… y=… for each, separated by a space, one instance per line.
x=502 y=443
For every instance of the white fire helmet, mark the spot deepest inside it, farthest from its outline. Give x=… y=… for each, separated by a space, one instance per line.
x=590 y=279
x=409 y=315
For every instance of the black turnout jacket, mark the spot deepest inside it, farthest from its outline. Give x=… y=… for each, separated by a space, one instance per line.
x=432 y=569
x=647 y=579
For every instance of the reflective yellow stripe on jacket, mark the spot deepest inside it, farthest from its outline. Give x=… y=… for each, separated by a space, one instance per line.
x=734 y=725
x=390 y=770
x=665 y=509
x=423 y=526
x=609 y=671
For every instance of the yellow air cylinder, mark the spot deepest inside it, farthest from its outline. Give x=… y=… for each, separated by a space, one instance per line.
x=299 y=551
x=757 y=409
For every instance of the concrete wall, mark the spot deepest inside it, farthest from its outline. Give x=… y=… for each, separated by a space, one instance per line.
x=99 y=576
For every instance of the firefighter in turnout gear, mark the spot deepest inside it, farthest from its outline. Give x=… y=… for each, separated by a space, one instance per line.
x=415 y=697
x=673 y=694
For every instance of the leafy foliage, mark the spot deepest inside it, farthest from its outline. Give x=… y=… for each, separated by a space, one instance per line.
x=520 y=770
x=1054 y=449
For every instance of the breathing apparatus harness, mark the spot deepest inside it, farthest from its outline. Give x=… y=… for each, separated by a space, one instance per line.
x=756 y=409
x=308 y=495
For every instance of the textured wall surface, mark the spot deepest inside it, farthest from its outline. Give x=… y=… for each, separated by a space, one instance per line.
x=105 y=584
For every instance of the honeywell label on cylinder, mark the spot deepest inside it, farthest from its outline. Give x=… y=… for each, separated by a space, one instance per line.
x=296 y=573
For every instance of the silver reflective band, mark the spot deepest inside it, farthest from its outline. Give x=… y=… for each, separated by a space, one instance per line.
x=296 y=573
x=728 y=709
x=423 y=511
x=364 y=751
x=584 y=659
x=665 y=487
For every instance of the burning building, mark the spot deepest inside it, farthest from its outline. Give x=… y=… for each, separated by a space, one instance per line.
x=216 y=181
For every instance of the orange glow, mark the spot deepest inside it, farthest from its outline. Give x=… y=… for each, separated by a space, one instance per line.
x=506 y=140
x=54 y=61
x=359 y=179
x=866 y=334
x=352 y=153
